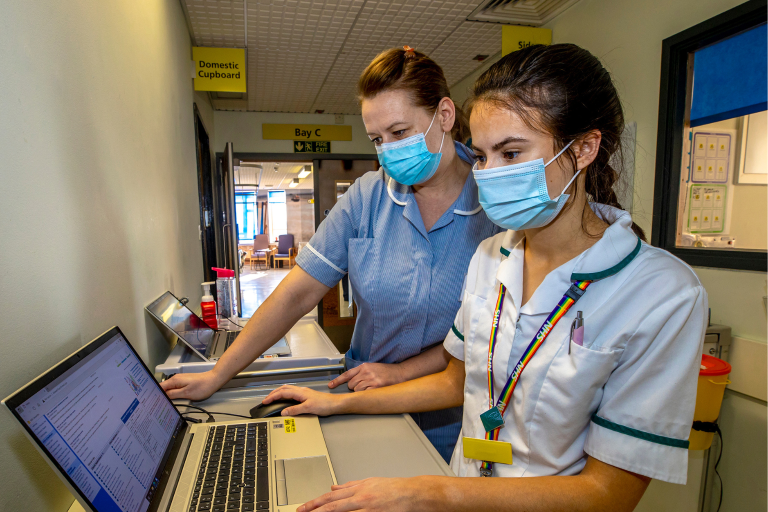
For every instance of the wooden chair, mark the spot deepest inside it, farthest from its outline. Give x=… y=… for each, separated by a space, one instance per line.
x=285 y=250
x=260 y=250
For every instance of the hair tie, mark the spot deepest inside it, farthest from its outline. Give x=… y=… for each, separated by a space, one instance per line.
x=409 y=52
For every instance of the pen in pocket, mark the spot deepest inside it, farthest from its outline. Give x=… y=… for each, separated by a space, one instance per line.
x=577 y=331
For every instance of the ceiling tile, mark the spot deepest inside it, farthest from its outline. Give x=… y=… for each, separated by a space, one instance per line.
x=306 y=55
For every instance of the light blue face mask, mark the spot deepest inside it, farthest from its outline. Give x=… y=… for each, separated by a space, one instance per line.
x=408 y=161
x=516 y=196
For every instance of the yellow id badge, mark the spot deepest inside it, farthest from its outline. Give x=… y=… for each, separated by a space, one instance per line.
x=488 y=451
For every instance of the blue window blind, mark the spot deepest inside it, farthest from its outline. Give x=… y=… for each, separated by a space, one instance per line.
x=729 y=78
x=245 y=209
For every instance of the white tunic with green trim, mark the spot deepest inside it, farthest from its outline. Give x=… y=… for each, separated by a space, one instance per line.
x=626 y=397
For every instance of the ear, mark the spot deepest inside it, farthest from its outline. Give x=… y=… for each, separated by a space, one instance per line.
x=446 y=113
x=586 y=148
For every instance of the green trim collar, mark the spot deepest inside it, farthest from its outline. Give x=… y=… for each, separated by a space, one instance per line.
x=596 y=276
x=504 y=251
x=457 y=333
x=639 y=434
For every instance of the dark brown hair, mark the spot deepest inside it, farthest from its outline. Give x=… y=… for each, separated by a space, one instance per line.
x=565 y=91
x=412 y=71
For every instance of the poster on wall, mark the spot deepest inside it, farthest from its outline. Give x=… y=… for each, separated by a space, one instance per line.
x=708 y=209
x=712 y=156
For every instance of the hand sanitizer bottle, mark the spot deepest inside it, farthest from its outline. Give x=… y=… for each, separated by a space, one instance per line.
x=208 y=306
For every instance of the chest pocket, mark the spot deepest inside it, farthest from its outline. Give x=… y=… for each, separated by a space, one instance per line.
x=384 y=286
x=570 y=394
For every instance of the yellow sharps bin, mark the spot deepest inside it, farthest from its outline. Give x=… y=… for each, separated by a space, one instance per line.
x=713 y=377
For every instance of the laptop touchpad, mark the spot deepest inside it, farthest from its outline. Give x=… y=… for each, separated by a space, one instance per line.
x=304 y=479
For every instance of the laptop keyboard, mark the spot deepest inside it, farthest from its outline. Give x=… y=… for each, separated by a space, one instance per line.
x=233 y=473
x=231 y=335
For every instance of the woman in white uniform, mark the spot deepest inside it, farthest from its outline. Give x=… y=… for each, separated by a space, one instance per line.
x=577 y=346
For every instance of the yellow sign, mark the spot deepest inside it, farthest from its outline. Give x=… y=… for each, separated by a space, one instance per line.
x=290 y=426
x=514 y=37
x=297 y=132
x=219 y=69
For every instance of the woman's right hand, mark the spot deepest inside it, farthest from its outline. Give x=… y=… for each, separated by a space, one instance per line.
x=312 y=402
x=192 y=386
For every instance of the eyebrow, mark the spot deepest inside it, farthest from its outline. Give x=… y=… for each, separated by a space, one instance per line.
x=390 y=126
x=506 y=141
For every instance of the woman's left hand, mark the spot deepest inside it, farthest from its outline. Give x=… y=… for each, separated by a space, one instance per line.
x=369 y=376
x=377 y=495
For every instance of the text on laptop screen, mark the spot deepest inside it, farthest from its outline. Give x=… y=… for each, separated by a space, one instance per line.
x=108 y=425
x=183 y=321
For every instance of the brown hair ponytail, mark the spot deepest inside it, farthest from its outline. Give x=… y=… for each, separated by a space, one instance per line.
x=410 y=70
x=565 y=91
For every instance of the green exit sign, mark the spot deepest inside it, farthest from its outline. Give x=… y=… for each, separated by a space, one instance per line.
x=311 y=146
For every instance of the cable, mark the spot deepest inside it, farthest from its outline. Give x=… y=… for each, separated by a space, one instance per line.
x=237 y=324
x=714 y=428
x=210 y=413
x=210 y=417
x=720 y=456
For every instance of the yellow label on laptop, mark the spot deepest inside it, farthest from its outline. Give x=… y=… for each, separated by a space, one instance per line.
x=290 y=425
x=488 y=451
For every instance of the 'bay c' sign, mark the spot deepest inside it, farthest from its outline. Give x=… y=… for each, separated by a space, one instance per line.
x=306 y=132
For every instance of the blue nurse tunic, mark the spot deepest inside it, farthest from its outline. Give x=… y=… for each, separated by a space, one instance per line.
x=406 y=281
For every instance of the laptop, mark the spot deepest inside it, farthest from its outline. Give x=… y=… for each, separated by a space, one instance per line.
x=105 y=426
x=207 y=343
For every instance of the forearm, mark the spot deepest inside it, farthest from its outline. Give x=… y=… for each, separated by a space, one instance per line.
x=600 y=487
x=292 y=299
x=428 y=362
x=430 y=393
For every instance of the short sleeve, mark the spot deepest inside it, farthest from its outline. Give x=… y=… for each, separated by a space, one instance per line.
x=645 y=416
x=325 y=257
x=454 y=342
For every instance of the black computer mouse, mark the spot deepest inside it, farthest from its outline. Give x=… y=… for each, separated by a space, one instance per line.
x=272 y=409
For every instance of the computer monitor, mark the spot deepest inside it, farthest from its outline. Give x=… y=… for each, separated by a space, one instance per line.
x=105 y=423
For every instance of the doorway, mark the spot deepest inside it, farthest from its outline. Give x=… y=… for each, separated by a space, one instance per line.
x=255 y=173
x=274 y=205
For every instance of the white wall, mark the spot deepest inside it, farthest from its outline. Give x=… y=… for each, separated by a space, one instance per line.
x=243 y=129
x=99 y=199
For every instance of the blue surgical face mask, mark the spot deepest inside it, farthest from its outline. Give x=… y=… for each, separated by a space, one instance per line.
x=516 y=196
x=408 y=161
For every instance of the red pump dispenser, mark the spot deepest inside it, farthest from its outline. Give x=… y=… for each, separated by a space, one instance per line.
x=208 y=306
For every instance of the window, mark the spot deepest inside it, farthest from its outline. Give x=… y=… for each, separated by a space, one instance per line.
x=710 y=202
x=245 y=209
x=278 y=216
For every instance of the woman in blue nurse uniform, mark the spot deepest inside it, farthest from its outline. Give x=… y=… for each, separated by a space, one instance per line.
x=404 y=234
x=576 y=350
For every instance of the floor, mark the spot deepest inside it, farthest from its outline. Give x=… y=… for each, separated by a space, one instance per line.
x=256 y=285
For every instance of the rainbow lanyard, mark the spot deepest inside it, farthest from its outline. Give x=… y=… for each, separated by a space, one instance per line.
x=493 y=419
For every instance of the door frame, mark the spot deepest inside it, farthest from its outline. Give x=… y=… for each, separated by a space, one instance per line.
x=299 y=157
x=316 y=159
x=206 y=200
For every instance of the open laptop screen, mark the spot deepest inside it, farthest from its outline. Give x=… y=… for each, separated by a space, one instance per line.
x=187 y=325
x=108 y=425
